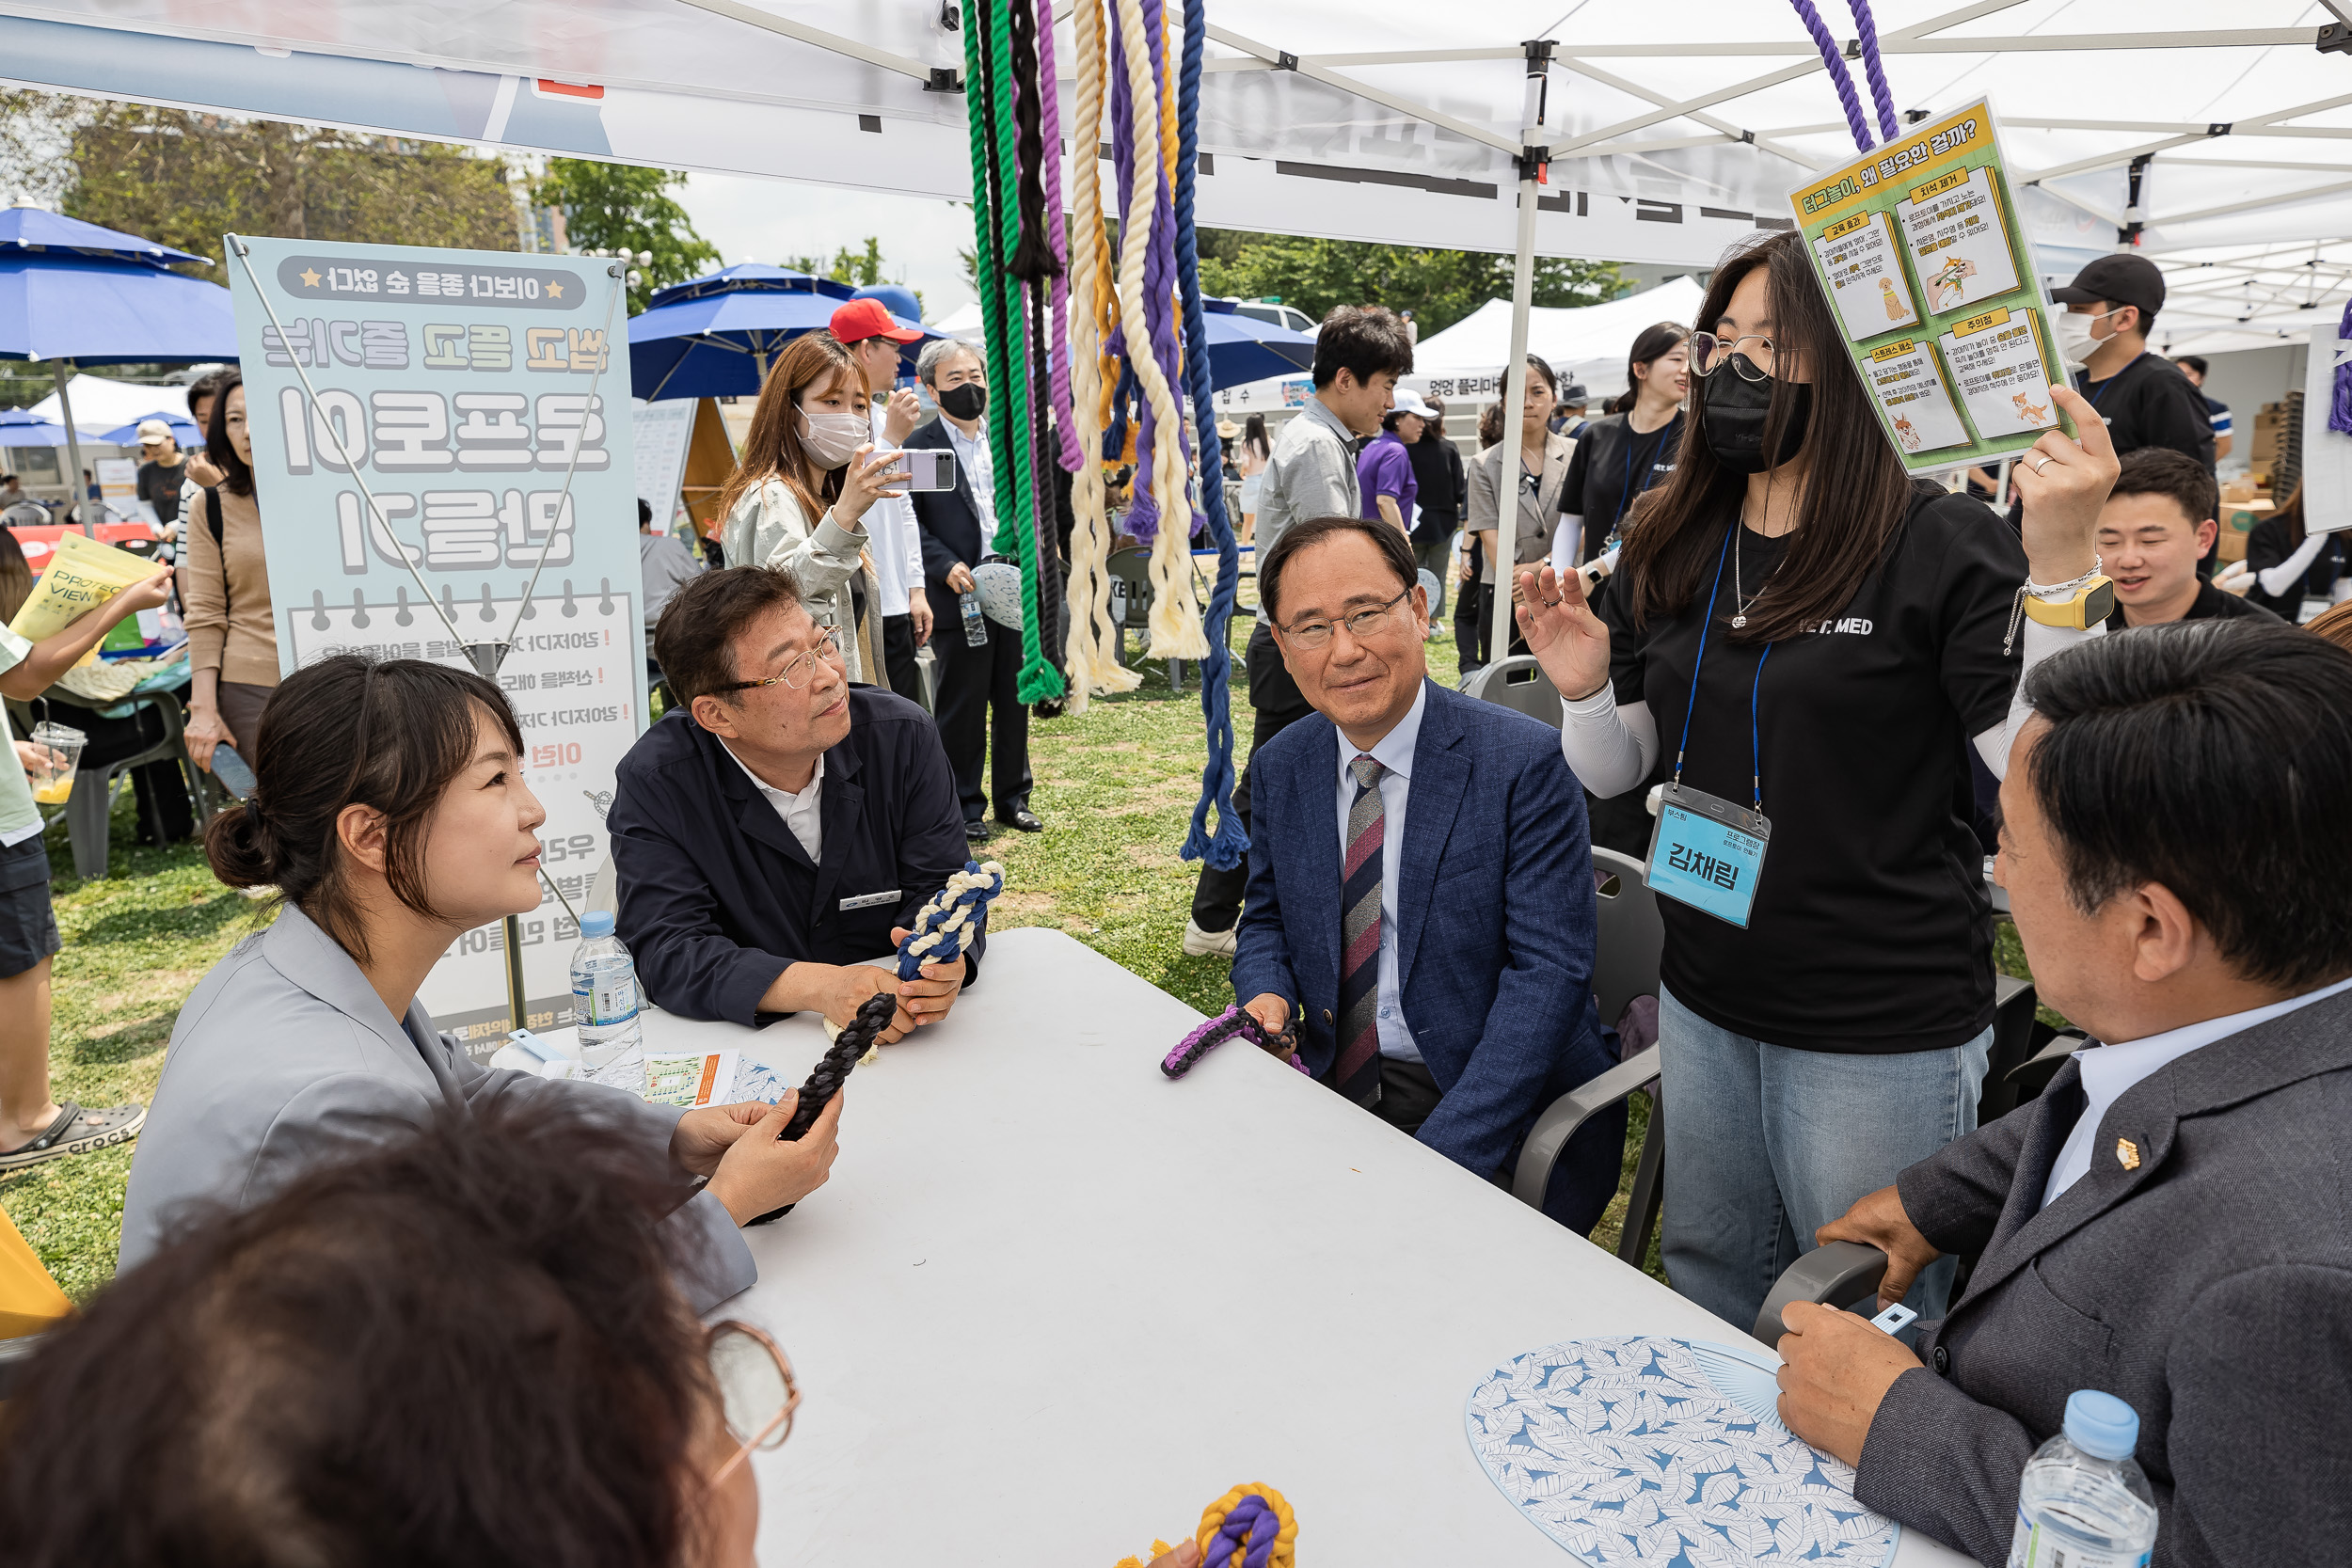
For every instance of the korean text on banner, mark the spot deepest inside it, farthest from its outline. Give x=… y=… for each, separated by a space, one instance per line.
x=1917 y=246
x=467 y=388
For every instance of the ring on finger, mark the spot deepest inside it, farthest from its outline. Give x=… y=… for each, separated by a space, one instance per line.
x=2046 y=461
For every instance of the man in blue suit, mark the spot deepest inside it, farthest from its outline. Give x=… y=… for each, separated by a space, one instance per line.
x=1420 y=887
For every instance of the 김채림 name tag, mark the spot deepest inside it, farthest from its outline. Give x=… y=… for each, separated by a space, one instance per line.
x=1706 y=852
x=869 y=900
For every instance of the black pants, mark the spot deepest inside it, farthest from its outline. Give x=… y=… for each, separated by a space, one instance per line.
x=972 y=682
x=1275 y=704
x=1472 y=602
x=1582 y=1181
x=166 y=814
x=906 y=676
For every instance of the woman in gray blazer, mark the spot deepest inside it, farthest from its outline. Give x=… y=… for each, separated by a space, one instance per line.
x=392 y=814
x=1543 y=475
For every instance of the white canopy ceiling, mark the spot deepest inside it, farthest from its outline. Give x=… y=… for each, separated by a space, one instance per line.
x=1674 y=126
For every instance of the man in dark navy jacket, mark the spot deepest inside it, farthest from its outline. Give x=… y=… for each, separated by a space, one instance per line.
x=780 y=827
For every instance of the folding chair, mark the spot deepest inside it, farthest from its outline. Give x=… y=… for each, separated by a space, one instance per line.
x=1131 y=603
x=1631 y=937
x=89 y=808
x=1520 y=684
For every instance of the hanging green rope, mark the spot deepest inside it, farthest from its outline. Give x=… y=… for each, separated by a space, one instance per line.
x=989 y=95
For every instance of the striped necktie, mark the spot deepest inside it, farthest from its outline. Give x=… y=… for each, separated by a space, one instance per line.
x=1356 y=1071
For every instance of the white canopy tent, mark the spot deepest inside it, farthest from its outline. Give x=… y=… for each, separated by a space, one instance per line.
x=1584 y=343
x=1661 y=132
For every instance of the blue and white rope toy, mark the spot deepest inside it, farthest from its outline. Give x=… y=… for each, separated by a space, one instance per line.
x=949 y=926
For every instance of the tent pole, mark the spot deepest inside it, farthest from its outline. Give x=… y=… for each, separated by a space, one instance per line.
x=73 y=485
x=1530 y=162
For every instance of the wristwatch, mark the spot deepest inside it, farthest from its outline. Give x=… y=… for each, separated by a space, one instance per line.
x=2090 y=603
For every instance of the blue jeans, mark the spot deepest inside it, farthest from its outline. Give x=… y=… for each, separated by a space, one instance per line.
x=1766 y=1144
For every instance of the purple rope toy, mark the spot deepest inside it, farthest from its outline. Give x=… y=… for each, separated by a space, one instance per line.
x=1834 y=62
x=1249 y=1529
x=1223 y=1027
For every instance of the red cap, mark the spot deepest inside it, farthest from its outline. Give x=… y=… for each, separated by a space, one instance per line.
x=860 y=319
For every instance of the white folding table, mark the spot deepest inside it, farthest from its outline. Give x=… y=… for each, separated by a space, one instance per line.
x=1051 y=1303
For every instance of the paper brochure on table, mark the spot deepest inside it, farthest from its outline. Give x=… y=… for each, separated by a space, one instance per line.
x=691 y=1078
x=1918 y=247
x=1648 y=1450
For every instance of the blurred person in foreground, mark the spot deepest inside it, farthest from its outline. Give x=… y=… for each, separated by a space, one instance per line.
x=392 y=815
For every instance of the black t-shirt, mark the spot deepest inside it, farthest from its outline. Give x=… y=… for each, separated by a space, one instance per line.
x=159 y=486
x=2270 y=544
x=2149 y=402
x=1871 y=928
x=1613 y=464
x=1438 y=473
x=2211 y=603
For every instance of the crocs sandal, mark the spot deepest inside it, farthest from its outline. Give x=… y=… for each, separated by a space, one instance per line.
x=78 y=1131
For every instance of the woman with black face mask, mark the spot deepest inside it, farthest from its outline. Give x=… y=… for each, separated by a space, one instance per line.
x=1798 y=644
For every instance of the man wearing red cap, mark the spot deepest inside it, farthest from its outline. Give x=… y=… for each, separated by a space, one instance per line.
x=872 y=336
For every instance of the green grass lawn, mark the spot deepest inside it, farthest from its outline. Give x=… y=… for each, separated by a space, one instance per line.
x=1115 y=785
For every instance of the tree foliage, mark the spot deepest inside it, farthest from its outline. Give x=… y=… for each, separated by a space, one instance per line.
x=619 y=207
x=1439 y=287
x=859 y=267
x=185 y=179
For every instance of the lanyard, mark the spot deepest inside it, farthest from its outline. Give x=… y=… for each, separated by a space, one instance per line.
x=1626 y=492
x=1756 y=733
x=2113 y=379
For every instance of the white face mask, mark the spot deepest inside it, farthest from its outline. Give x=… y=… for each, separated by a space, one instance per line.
x=2077 y=341
x=833 y=439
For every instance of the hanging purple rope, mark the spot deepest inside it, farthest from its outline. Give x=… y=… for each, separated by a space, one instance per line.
x=1057 y=233
x=1834 y=61
x=1867 y=29
x=2340 y=406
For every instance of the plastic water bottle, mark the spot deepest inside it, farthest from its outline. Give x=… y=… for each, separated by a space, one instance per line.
x=2085 y=1503
x=975 y=624
x=604 y=994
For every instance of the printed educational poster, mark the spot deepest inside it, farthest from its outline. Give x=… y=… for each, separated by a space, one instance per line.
x=660 y=431
x=1857 y=259
x=478 y=397
x=1917 y=244
x=1919 y=408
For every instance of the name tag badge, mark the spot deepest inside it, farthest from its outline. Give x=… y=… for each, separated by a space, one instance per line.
x=869 y=900
x=1708 y=853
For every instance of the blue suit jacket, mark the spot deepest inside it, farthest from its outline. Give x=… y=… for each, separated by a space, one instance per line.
x=1495 y=918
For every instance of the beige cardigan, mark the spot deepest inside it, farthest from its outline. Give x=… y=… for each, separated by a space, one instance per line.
x=231 y=628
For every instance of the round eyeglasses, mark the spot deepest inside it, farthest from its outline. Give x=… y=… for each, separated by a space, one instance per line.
x=796 y=671
x=756 y=1389
x=1363 y=626
x=1750 y=358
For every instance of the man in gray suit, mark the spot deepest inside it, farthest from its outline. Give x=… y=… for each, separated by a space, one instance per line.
x=2167 y=1223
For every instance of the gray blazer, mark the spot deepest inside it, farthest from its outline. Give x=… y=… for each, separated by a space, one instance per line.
x=284 y=1056
x=1539 y=514
x=2210 y=1288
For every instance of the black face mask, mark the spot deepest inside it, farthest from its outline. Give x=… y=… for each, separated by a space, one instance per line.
x=965 y=402
x=1735 y=408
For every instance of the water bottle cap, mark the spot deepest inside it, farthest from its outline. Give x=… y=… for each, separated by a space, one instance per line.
x=596 y=923
x=2101 y=1425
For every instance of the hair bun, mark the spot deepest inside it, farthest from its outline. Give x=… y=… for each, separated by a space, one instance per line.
x=237 y=845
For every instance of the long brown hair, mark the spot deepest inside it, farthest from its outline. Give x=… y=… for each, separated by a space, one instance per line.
x=2292 y=515
x=16 y=576
x=1854 y=495
x=773 y=450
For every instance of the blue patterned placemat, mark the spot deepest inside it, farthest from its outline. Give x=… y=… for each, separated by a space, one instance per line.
x=1666 y=1454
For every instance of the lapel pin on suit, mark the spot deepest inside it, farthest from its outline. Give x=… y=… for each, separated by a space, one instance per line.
x=2128 y=1153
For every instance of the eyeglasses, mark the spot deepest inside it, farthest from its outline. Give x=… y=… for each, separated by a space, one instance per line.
x=796 y=673
x=755 y=1390
x=1751 y=356
x=1361 y=626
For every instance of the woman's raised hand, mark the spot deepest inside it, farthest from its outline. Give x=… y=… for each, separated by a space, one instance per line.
x=1562 y=631
x=866 y=480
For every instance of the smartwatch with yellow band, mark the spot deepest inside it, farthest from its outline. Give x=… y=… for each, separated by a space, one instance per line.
x=2090 y=602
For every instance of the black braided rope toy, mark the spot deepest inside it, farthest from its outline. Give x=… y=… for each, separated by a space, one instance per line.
x=831 y=1070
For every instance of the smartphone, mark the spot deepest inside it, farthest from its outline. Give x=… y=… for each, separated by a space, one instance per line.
x=928 y=469
x=234 y=775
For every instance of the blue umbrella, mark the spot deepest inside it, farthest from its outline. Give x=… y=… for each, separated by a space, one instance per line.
x=22 y=428
x=71 y=292
x=1244 y=349
x=182 y=431
x=716 y=336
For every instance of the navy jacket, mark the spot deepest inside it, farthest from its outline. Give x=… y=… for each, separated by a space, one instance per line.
x=1495 y=915
x=948 y=520
x=718 y=898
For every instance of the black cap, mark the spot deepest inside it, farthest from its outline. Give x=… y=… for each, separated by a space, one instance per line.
x=1574 y=395
x=2125 y=280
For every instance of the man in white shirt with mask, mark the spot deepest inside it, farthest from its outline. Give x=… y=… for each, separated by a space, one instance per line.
x=866 y=328
x=2166 y=1222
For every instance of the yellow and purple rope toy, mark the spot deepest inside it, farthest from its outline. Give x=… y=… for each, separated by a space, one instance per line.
x=1250 y=1527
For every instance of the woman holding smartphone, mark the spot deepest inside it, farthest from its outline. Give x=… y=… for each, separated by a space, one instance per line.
x=1797 y=646
x=799 y=497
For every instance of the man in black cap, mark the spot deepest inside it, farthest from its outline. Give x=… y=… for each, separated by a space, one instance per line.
x=2144 y=398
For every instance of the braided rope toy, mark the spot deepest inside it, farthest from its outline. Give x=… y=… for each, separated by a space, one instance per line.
x=851 y=1044
x=1224 y=1026
x=1250 y=1526
x=956 y=915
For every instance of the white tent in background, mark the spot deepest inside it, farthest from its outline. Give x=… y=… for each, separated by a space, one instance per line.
x=962 y=322
x=101 y=403
x=1585 y=343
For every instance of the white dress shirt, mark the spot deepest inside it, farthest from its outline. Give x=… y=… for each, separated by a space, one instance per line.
x=798 y=812
x=2109 y=1070
x=892 y=537
x=972 y=456
x=1395 y=752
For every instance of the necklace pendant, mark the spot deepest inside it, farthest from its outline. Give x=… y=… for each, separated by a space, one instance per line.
x=1739 y=621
